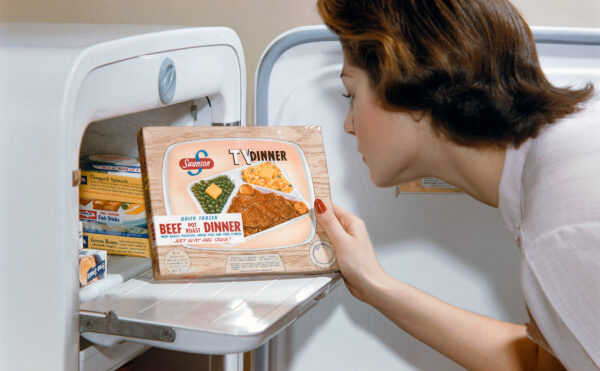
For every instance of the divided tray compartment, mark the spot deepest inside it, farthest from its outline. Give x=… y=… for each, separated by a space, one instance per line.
x=235 y=175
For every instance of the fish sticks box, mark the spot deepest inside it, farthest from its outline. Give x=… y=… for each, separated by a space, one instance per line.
x=235 y=201
x=111 y=205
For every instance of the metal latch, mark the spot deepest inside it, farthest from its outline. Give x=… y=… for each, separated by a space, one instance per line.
x=112 y=325
x=234 y=123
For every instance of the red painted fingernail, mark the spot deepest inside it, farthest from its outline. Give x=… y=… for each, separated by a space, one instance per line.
x=320 y=206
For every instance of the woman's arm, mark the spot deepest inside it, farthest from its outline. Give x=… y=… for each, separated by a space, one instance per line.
x=475 y=342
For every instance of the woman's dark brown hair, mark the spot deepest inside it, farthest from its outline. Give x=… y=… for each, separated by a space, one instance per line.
x=471 y=64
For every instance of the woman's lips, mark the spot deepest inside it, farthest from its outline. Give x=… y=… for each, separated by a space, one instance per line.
x=363 y=157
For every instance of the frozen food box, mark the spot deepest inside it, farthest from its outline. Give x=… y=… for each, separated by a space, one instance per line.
x=112 y=212
x=235 y=201
x=110 y=178
x=111 y=205
x=92 y=266
x=115 y=239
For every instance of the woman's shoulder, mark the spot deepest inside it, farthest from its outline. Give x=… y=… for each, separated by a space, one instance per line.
x=561 y=173
x=569 y=132
x=574 y=138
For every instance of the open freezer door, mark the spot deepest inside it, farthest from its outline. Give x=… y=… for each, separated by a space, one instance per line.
x=210 y=317
x=446 y=244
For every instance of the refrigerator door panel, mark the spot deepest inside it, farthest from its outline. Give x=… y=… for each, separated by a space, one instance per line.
x=445 y=244
x=570 y=56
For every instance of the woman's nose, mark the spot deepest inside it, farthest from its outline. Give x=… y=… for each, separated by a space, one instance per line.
x=349 y=124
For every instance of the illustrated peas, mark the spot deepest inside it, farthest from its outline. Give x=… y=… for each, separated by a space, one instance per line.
x=210 y=205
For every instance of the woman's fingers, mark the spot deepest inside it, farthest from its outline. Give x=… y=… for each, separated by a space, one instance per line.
x=329 y=222
x=338 y=223
x=352 y=224
x=355 y=255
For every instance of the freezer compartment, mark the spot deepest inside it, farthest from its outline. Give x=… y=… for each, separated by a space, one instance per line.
x=117 y=136
x=92 y=86
x=207 y=317
x=200 y=83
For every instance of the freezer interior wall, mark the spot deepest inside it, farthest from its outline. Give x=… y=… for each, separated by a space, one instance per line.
x=117 y=136
x=445 y=244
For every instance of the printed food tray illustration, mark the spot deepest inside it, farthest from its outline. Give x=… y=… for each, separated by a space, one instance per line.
x=261 y=192
x=270 y=193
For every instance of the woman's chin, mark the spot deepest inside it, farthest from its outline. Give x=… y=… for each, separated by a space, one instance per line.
x=391 y=180
x=382 y=182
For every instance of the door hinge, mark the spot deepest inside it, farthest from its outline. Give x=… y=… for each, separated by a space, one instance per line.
x=112 y=325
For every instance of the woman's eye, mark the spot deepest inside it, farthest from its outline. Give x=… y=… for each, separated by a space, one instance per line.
x=349 y=97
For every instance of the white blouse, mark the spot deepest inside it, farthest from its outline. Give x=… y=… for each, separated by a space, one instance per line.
x=550 y=202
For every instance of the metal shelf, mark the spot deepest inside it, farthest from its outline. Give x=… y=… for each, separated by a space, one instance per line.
x=221 y=317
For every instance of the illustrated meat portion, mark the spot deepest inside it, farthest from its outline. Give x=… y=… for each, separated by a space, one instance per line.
x=261 y=211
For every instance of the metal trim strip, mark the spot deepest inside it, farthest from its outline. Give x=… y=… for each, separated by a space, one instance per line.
x=295 y=37
x=566 y=35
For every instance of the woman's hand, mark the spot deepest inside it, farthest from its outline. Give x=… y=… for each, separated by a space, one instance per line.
x=353 y=249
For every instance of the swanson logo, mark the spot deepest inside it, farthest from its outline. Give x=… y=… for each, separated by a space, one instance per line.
x=197 y=163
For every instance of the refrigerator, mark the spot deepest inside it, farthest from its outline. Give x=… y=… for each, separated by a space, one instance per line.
x=72 y=89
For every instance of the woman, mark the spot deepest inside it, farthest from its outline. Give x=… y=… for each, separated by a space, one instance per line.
x=453 y=89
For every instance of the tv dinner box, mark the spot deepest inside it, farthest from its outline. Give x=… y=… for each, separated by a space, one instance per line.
x=235 y=201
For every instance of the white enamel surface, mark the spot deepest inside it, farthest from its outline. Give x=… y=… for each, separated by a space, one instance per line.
x=118 y=135
x=119 y=269
x=56 y=78
x=241 y=315
x=448 y=245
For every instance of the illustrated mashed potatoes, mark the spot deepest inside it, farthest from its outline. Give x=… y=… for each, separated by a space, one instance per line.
x=267 y=175
x=261 y=211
